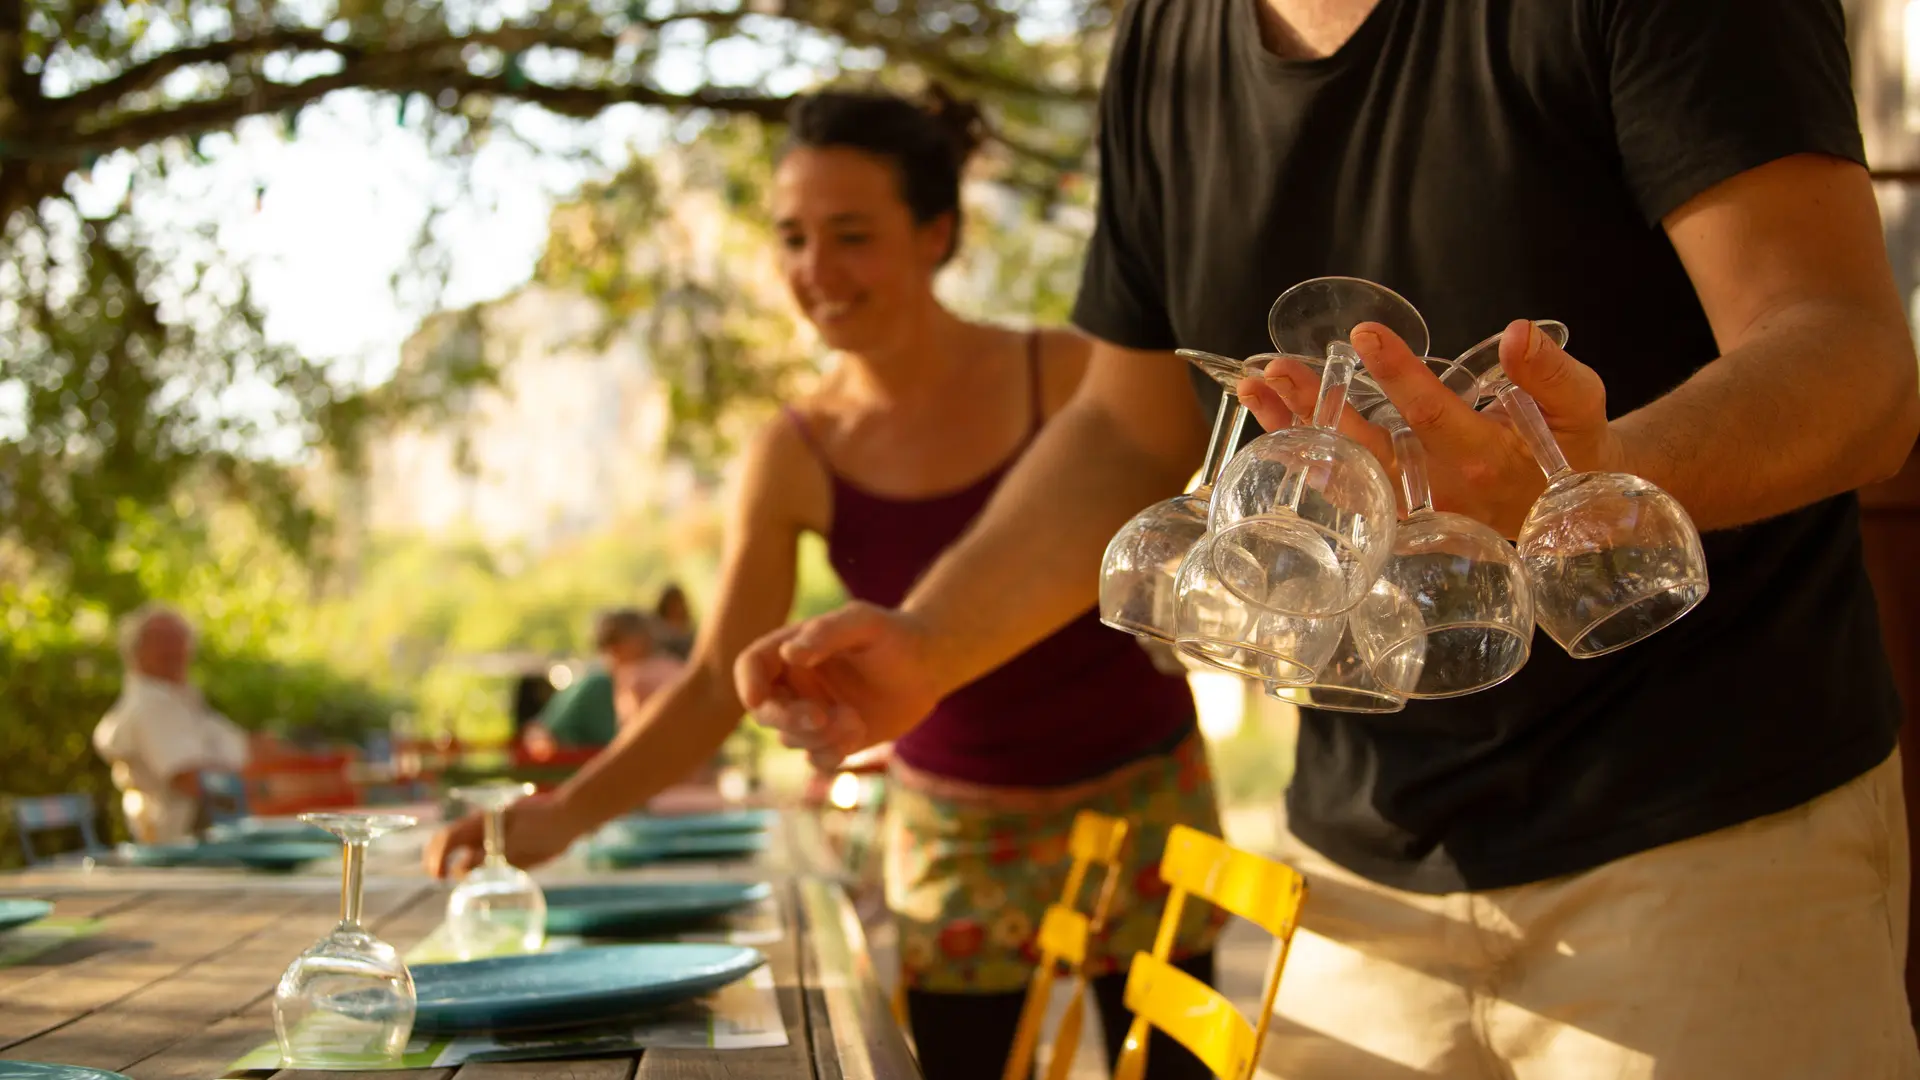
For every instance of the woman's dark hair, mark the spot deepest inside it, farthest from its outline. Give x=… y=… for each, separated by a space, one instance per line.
x=928 y=144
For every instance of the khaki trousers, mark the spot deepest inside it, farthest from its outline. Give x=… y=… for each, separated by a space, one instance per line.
x=1773 y=949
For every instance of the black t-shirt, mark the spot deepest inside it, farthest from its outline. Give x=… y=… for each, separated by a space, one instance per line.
x=1493 y=160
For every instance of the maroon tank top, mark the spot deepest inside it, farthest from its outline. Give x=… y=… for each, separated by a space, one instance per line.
x=1074 y=706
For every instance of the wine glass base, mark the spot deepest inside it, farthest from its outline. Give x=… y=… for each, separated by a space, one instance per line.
x=1636 y=622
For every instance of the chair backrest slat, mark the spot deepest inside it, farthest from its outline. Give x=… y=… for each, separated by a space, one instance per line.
x=1193 y=1014
x=1265 y=893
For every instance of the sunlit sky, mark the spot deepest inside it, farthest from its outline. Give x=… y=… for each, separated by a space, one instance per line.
x=322 y=220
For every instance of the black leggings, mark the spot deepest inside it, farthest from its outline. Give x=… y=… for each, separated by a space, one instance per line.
x=968 y=1036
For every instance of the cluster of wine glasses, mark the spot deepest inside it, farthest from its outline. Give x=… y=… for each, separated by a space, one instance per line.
x=1292 y=564
x=349 y=1000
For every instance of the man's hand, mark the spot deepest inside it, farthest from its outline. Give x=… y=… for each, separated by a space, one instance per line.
x=1477 y=462
x=840 y=682
x=537 y=830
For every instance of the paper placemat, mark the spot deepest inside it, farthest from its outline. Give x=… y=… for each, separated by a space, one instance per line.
x=39 y=938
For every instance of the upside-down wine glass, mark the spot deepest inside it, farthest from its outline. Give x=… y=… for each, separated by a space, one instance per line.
x=497 y=908
x=348 y=1000
x=1612 y=558
x=1220 y=629
x=1142 y=562
x=1303 y=518
x=1451 y=612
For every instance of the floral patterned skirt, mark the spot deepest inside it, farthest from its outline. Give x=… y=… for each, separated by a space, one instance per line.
x=970 y=872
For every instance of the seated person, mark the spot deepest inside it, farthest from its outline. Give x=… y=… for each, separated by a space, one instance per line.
x=161 y=734
x=590 y=710
x=673 y=627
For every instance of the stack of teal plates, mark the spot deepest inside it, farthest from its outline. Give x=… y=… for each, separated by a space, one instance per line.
x=639 y=839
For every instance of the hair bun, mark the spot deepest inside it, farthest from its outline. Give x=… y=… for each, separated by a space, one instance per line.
x=965 y=124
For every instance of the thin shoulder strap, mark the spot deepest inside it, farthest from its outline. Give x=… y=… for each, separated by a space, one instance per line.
x=805 y=432
x=1035 y=388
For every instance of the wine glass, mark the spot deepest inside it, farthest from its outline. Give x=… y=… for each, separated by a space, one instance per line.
x=497 y=909
x=1612 y=558
x=1220 y=629
x=1207 y=623
x=1346 y=682
x=349 y=999
x=1454 y=593
x=1303 y=518
x=1142 y=562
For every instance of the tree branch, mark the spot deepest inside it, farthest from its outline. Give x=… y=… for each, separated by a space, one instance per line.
x=148 y=73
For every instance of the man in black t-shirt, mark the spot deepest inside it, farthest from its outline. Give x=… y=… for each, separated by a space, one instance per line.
x=1684 y=859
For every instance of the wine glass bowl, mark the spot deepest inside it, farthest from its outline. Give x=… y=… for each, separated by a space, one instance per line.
x=1613 y=559
x=1347 y=683
x=1142 y=562
x=1302 y=522
x=1222 y=630
x=1450 y=614
x=348 y=1000
x=497 y=909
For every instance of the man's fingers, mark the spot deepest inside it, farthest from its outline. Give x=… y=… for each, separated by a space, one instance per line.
x=1297 y=386
x=1263 y=400
x=1571 y=394
x=1447 y=426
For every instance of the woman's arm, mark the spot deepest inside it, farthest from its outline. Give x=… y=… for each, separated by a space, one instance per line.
x=782 y=491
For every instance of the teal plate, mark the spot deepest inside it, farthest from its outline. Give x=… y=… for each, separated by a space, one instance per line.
x=645 y=907
x=278 y=855
x=647 y=826
x=660 y=848
x=591 y=985
x=41 y=1070
x=17 y=913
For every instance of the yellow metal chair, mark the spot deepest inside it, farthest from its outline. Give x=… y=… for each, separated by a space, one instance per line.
x=1192 y=1013
x=1064 y=932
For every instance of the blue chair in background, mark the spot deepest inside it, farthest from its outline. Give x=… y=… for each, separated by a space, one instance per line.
x=35 y=815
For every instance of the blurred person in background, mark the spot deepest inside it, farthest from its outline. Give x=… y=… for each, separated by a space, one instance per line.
x=590 y=710
x=161 y=734
x=890 y=461
x=674 y=622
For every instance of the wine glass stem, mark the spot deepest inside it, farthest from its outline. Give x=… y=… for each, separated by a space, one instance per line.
x=1218 y=446
x=496 y=835
x=1411 y=456
x=1334 y=380
x=1532 y=426
x=352 y=876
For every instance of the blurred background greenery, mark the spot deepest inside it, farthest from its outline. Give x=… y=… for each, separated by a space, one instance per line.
x=161 y=439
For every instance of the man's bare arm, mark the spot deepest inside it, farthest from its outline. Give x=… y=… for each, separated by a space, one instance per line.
x=1132 y=435
x=1814 y=393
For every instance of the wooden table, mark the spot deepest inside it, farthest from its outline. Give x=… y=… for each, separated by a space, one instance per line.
x=178 y=983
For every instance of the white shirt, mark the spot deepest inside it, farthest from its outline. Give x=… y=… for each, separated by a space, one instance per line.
x=155 y=731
